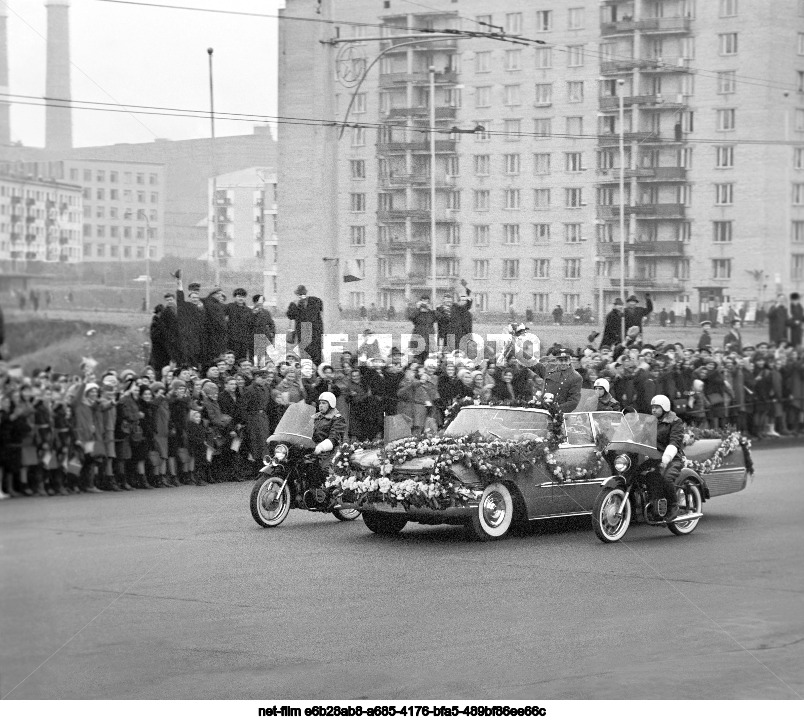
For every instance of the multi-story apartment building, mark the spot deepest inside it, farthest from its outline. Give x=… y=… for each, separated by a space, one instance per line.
x=527 y=158
x=40 y=220
x=244 y=232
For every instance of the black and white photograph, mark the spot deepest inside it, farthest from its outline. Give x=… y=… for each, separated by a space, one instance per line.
x=461 y=341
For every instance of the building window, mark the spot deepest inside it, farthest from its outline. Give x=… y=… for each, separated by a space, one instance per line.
x=87 y=250
x=482 y=235
x=573 y=197
x=357 y=202
x=357 y=299
x=484 y=135
x=541 y=233
x=358 y=169
x=513 y=23
x=726 y=81
x=722 y=231
x=574 y=56
x=510 y=269
x=541 y=198
x=358 y=137
x=140 y=196
x=798 y=231
x=512 y=95
x=509 y=301
x=726 y=119
x=799 y=120
x=543 y=127
x=481 y=269
x=575 y=126
x=454 y=200
x=454 y=234
x=127 y=251
x=541 y=163
x=483 y=96
x=482 y=199
x=721 y=268
x=140 y=178
x=572 y=232
x=572 y=269
x=357 y=235
x=544 y=21
x=724 y=193
x=512 y=129
x=114 y=251
x=511 y=234
x=727 y=43
x=359 y=105
x=724 y=156
x=385 y=201
x=797 y=266
x=798 y=193
x=728 y=8
x=801 y=43
x=99 y=194
x=481 y=302
x=544 y=58
x=113 y=176
x=512 y=201
x=511 y=162
x=87 y=231
x=572 y=301
x=482 y=164
x=114 y=231
x=483 y=62
x=541 y=268
x=574 y=162
x=575 y=91
x=453 y=165
x=544 y=94
x=513 y=60
x=576 y=18
x=541 y=302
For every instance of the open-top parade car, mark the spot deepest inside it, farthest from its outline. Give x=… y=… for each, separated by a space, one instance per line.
x=495 y=465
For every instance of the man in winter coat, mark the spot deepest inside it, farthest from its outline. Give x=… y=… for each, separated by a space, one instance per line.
x=191 y=319
x=564 y=383
x=463 y=309
x=635 y=313
x=449 y=324
x=613 y=327
x=423 y=319
x=733 y=341
x=778 y=320
x=262 y=323
x=239 y=327
x=306 y=314
x=796 y=320
x=215 y=333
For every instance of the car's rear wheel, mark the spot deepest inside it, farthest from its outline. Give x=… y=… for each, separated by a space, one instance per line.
x=609 y=525
x=385 y=524
x=494 y=514
x=689 y=501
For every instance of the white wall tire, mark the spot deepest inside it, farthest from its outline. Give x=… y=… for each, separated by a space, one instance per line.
x=609 y=527
x=346 y=514
x=689 y=501
x=265 y=513
x=494 y=514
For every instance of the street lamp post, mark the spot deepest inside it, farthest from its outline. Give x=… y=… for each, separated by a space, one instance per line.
x=433 y=184
x=213 y=232
x=621 y=83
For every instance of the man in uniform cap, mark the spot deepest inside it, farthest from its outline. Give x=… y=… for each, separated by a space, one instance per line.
x=705 y=341
x=564 y=383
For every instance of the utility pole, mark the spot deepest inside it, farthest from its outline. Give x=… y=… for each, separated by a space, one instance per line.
x=215 y=259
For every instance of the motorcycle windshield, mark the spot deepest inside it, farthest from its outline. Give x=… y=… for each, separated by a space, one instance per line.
x=295 y=426
x=636 y=434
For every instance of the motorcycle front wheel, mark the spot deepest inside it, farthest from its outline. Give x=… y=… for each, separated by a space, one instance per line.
x=609 y=527
x=269 y=507
x=689 y=501
x=346 y=514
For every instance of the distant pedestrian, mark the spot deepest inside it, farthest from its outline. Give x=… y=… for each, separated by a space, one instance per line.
x=306 y=314
x=635 y=313
x=48 y=299
x=687 y=316
x=796 y=319
x=671 y=316
x=558 y=315
x=663 y=317
x=778 y=320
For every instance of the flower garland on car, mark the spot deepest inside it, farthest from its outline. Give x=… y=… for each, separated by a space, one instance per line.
x=730 y=440
x=556 y=425
x=438 y=487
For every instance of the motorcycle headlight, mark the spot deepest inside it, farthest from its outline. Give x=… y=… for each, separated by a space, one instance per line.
x=280 y=452
x=622 y=463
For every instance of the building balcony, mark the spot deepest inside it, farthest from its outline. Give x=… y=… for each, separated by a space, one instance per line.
x=609 y=139
x=15 y=237
x=416 y=180
x=664 y=25
x=16 y=199
x=400 y=214
x=445 y=43
x=16 y=219
x=657 y=210
x=442 y=113
x=673 y=285
x=30 y=238
x=417 y=77
x=666 y=65
x=64 y=240
x=401 y=245
x=416 y=146
x=659 y=248
x=30 y=219
x=30 y=201
x=618 y=27
x=658 y=175
x=400 y=281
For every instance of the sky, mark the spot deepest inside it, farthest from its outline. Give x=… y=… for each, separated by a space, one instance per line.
x=147 y=56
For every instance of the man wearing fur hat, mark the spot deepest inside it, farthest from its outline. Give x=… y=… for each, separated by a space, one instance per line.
x=308 y=324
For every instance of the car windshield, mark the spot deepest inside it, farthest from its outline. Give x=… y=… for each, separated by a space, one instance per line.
x=606 y=423
x=578 y=429
x=504 y=423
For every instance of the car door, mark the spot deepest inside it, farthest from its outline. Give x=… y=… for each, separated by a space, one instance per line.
x=572 y=497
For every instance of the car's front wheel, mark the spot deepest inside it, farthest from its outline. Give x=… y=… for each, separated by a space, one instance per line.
x=494 y=514
x=385 y=524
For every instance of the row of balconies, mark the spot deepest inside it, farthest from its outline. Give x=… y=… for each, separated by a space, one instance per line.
x=643 y=137
x=655 y=102
x=644 y=210
x=432 y=46
x=418 y=77
x=419 y=111
x=648 y=25
x=665 y=174
x=654 y=65
x=416 y=244
x=442 y=215
x=657 y=248
x=416 y=180
x=416 y=146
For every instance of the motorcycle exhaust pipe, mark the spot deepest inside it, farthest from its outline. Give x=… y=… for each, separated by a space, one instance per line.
x=688 y=517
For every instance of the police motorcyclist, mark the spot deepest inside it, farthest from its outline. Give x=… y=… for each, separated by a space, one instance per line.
x=605 y=401
x=670 y=443
x=329 y=428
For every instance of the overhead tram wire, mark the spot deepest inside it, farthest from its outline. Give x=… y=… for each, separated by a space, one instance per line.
x=499 y=36
x=319 y=122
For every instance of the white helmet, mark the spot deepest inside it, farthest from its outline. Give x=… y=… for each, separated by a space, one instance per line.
x=662 y=401
x=602 y=383
x=329 y=398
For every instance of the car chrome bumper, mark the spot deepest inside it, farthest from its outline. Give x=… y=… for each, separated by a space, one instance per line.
x=414 y=512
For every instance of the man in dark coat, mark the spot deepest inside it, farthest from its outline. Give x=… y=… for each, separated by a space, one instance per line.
x=257 y=411
x=191 y=318
x=262 y=322
x=239 y=326
x=423 y=319
x=796 y=320
x=635 y=313
x=308 y=324
x=215 y=334
x=449 y=324
x=733 y=341
x=613 y=327
x=705 y=341
x=463 y=310
x=2 y=335
x=564 y=383
x=777 y=320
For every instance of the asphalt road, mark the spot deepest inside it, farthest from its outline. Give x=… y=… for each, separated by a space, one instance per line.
x=178 y=594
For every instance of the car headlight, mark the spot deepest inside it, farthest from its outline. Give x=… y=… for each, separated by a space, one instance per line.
x=280 y=452
x=622 y=463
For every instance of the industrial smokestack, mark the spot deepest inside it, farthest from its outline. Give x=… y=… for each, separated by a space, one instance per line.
x=5 y=117
x=58 y=116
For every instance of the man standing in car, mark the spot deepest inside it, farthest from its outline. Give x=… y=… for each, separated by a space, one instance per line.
x=564 y=383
